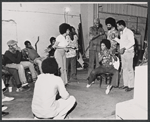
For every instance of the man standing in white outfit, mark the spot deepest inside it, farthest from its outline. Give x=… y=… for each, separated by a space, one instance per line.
x=126 y=42
x=48 y=85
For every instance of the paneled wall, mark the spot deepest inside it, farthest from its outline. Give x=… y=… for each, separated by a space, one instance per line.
x=134 y=15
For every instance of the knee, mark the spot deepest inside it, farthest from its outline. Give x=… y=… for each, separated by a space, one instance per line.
x=93 y=72
x=20 y=66
x=31 y=64
x=39 y=62
x=72 y=99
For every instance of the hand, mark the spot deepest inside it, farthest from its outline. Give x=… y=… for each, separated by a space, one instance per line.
x=115 y=58
x=112 y=36
x=19 y=49
x=122 y=50
x=66 y=49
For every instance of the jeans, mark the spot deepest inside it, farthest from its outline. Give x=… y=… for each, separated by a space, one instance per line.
x=103 y=69
x=127 y=67
x=71 y=64
x=93 y=58
x=14 y=73
x=61 y=60
x=21 y=70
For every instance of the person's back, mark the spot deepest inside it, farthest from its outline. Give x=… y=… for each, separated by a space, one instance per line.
x=44 y=99
x=48 y=85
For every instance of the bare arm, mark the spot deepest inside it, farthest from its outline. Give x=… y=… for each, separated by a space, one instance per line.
x=36 y=43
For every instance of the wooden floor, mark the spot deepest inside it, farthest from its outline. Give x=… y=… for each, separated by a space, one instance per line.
x=92 y=103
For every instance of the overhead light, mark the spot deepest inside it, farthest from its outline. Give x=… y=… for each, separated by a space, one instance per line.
x=67 y=10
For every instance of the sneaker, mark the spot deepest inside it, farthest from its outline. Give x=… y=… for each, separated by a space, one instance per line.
x=24 y=84
x=26 y=87
x=4 y=108
x=109 y=87
x=88 y=85
x=7 y=99
x=5 y=89
x=22 y=89
x=4 y=113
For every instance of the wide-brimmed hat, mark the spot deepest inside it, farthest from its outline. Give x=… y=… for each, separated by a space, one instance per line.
x=11 y=42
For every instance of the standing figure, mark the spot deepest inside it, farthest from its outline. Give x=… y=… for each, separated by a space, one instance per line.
x=112 y=33
x=71 y=55
x=126 y=42
x=61 y=47
x=96 y=35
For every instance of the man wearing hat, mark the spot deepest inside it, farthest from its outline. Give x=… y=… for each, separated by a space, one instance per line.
x=96 y=35
x=13 y=57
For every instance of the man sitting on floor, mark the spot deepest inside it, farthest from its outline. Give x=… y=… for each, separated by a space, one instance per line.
x=105 y=57
x=32 y=54
x=13 y=58
x=48 y=85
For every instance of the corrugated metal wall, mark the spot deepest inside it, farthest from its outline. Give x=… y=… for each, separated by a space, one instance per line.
x=133 y=14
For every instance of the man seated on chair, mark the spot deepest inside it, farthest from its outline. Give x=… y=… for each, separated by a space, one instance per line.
x=32 y=55
x=106 y=59
x=48 y=85
x=13 y=59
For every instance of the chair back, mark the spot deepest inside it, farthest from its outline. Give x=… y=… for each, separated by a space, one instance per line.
x=116 y=64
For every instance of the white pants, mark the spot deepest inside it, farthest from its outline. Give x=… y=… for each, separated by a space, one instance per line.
x=64 y=106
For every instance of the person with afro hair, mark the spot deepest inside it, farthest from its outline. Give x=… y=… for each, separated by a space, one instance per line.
x=45 y=104
x=60 y=47
x=106 y=60
x=112 y=33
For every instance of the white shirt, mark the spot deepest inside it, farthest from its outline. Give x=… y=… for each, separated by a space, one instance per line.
x=126 y=39
x=62 y=42
x=72 y=43
x=44 y=103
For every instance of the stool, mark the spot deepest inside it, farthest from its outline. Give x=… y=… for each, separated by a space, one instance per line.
x=108 y=78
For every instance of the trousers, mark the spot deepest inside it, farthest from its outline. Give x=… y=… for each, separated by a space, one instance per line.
x=21 y=69
x=103 y=69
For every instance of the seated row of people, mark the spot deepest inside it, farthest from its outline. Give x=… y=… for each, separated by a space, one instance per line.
x=14 y=59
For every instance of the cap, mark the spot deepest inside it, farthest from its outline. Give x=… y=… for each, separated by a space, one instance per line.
x=11 y=42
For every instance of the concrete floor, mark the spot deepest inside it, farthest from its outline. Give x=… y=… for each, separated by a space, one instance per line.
x=92 y=103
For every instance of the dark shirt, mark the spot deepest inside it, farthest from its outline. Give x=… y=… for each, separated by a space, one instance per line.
x=95 y=43
x=13 y=57
x=31 y=53
x=52 y=51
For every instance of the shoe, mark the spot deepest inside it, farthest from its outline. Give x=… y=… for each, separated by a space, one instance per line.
x=4 y=90
x=4 y=113
x=21 y=89
x=123 y=87
x=129 y=89
x=24 y=84
x=26 y=87
x=7 y=99
x=4 y=108
x=109 y=87
x=115 y=86
x=34 y=79
x=88 y=85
